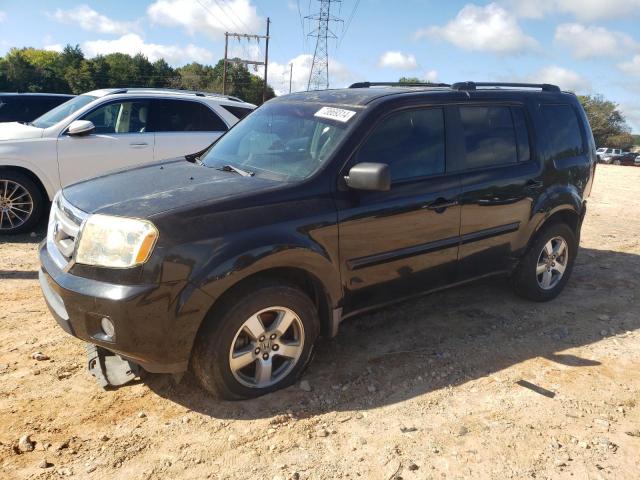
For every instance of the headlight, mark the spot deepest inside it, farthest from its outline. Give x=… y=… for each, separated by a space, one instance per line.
x=115 y=242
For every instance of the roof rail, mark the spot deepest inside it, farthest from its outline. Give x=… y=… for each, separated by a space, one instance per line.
x=173 y=90
x=397 y=84
x=545 y=87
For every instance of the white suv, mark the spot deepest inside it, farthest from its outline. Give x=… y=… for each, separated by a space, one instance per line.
x=98 y=132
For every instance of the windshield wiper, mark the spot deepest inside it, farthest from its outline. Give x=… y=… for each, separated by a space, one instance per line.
x=231 y=168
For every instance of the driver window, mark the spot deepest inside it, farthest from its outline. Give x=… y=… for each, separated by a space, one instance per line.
x=120 y=117
x=411 y=142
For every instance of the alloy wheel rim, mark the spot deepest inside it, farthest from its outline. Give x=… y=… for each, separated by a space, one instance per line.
x=552 y=263
x=16 y=204
x=267 y=347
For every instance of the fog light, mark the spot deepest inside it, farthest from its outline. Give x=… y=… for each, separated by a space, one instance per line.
x=107 y=327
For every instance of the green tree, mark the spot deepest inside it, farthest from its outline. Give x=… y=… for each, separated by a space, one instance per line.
x=34 y=70
x=607 y=122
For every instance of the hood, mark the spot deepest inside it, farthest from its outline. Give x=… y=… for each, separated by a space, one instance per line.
x=18 y=131
x=145 y=191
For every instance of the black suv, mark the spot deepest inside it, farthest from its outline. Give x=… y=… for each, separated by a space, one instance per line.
x=25 y=107
x=316 y=207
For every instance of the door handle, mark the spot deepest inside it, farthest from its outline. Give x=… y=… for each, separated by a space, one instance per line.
x=441 y=204
x=139 y=145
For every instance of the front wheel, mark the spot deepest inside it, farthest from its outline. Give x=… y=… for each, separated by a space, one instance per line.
x=546 y=267
x=259 y=341
x=21 y=203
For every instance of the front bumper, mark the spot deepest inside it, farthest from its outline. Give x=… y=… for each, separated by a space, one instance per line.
x=155 y=325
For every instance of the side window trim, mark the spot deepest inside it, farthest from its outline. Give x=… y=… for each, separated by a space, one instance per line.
x=352 y=158
x=111 y=102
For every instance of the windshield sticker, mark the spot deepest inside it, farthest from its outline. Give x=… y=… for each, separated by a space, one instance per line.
x=332 y=113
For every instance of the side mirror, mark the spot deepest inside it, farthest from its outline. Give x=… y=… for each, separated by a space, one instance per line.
x=369 y=176
x=80 y=127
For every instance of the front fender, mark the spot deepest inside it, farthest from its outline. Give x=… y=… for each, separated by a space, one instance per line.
x=12 y=155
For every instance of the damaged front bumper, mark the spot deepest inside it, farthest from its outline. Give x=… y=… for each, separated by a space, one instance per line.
x=110 y=369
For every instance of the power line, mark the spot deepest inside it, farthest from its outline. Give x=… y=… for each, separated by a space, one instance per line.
x=304 y=43
x=348 y=24
x=243 y=25
x=217 y=16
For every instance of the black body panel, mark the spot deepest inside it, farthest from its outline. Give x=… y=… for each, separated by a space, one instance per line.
x=363 y=248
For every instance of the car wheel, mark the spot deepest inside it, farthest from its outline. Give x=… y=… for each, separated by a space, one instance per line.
x=617 y=162
x=21 y=203
x=546 y=267
x=259 y=341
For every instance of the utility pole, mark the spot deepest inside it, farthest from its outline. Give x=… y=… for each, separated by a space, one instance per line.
x=319 y=74
x=266 y=62
x=224 y=68
x=290 y=75
x=245 y=36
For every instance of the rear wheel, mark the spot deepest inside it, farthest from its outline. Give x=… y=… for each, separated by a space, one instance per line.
x=546 y=267
x=21 y=203
x=617 y=162
x=259 y=341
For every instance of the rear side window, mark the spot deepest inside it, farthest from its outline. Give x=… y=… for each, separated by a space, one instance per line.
x=8 y=112
x=412 y=143
x=563 y=130
x=238 y=112
x=184 y=116
x=489 y=136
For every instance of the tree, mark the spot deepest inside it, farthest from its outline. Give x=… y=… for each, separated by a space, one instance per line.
x=34 y=70
x=608 y=124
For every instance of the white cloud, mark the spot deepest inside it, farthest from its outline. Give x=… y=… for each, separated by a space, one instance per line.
x=211 y=18
x=631 y=112
x=339 y=74
x=564 y=78
x=530 y=8
x=3 y=16
x=399 y=60
x=88 y=19
x=631 y=67
x=587 y=10
x=133 y=44
x=490 y=28
x=591 y=41
x=431 y=76
x=54 y=47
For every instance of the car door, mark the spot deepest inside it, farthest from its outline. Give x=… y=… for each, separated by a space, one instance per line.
x=120 y=140
x=183 y=127
x=396 y=243
x=500 y=179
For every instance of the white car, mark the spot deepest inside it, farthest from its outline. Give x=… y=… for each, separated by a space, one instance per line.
x=99 y=132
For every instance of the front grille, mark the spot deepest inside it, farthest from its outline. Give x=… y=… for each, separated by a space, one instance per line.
x=64 y=226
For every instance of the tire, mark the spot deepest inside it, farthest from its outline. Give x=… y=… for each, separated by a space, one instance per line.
x=540 y=287
x=617 y=162
x=226 y=328
x=24 y=214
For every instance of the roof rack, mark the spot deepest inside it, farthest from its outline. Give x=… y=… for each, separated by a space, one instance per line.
x=397 y=84
x=545 y=87
x=174 y=90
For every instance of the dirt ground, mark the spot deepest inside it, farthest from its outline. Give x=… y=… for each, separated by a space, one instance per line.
x=468 y=383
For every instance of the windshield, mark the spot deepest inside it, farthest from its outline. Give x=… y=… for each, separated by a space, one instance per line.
x=62 y=111
x=283 y=140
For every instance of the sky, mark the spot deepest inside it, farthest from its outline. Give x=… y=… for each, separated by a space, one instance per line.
x=587 y=46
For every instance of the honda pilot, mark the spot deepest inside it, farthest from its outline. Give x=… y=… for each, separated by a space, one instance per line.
x=316 y=207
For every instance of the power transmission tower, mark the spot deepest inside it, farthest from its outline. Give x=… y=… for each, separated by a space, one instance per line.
x=319 y=74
